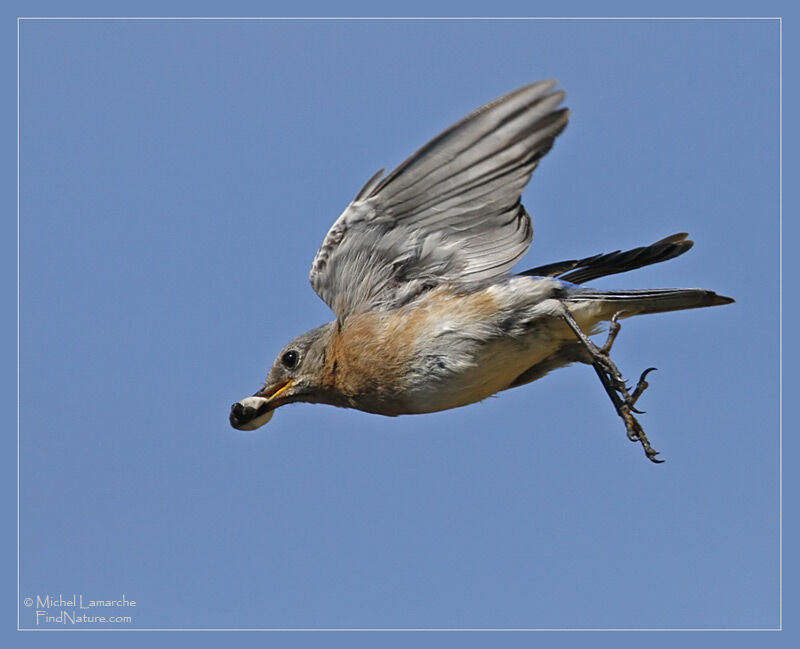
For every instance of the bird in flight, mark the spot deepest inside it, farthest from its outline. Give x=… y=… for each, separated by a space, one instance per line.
x=417 y=271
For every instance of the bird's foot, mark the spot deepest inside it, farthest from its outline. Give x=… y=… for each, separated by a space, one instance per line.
x=624 y=401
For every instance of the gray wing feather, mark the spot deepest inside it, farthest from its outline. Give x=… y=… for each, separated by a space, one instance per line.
x=450 y=213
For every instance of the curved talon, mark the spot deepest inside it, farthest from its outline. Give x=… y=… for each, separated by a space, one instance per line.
x=646 y=372
x=637 y=411
x=641 y=386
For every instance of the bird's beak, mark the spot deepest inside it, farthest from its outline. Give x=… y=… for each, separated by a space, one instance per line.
x=253 y=412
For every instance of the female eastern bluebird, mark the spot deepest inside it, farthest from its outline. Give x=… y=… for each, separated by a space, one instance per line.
x=417 y=271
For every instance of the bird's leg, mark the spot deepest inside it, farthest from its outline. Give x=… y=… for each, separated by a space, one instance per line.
x=612 y=381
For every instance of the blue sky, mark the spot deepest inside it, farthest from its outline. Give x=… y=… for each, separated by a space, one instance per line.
x=176 y=180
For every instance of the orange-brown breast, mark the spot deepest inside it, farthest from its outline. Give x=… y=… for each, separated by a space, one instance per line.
x=369 y=354
x=369 y=358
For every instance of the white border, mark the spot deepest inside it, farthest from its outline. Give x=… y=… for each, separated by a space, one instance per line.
x=18 y=584
x=780 y=323
x=400 y=18
x=487 y=18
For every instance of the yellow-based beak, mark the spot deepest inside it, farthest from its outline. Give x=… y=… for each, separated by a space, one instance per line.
x=274 y=391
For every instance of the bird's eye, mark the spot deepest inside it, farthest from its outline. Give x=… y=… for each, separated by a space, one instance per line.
x=290 y=358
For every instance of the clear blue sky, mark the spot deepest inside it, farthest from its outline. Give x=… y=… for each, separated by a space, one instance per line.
x=176 y=180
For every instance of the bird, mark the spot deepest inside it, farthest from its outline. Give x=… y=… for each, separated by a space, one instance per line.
x=428 y=313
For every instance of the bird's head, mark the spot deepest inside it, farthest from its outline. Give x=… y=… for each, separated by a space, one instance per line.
x=296 y=375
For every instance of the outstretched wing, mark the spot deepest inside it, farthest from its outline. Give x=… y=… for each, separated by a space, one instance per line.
x=449 y=213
